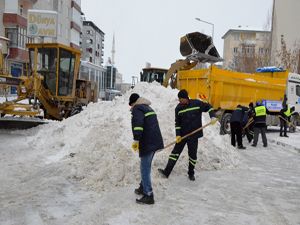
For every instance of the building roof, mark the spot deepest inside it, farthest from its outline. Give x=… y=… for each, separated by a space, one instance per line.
x=90 y=23
x=246 y=29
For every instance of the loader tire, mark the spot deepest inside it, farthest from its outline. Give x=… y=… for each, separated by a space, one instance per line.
x=225 y=124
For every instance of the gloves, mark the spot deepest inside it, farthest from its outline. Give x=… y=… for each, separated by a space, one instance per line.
x=213 y=120
x=135 y=146
x=178 y=139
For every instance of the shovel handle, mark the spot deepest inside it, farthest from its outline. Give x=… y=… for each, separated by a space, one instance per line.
x=288 y=122
x=193 y=132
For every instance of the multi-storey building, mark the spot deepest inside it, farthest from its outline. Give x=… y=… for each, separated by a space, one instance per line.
x=92 y=43
x=69 y=19
x=13 y=21
x=248 y=43
x=286 y=33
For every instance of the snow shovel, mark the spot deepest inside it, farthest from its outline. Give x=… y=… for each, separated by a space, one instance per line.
x=250 y=121
x=289 y=123
x=193 y=132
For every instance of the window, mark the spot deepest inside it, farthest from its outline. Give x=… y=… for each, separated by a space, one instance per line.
x=261 y=51
x=12 y=35
x=46 y=66
x=66 y=72
x=298 y=90
x=91 y=59
x=235 y=50
x=21 y=10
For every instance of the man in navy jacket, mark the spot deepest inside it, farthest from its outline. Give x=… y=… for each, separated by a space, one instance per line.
x=188 y=117
x=147 y=140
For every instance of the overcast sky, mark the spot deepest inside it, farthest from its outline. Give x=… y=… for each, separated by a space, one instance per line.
x=149 y=31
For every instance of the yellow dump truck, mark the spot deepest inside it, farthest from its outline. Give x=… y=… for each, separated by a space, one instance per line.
x=225 y=89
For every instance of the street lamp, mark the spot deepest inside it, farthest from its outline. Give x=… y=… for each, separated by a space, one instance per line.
x=213 y=26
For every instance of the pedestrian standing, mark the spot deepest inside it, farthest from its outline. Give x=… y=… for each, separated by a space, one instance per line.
x=188 y=117
x=260 y=114
x=236 y=128
x=147 y=140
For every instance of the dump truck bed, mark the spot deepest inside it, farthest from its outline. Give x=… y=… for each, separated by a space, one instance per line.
x=225 y=89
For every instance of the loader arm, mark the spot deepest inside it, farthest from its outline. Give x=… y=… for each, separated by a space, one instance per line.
x=184 y=64
x=196 y=48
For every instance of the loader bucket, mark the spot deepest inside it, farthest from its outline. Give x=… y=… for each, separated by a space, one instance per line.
x=18 y=123
x=199 y=47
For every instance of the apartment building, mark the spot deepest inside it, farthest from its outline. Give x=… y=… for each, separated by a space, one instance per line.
x=69 y=20
x=247 y=42
x=286 y=30
x=92 y=43
x=13 y=30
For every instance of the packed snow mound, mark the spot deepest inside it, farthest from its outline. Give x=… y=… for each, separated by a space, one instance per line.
x=94 y=147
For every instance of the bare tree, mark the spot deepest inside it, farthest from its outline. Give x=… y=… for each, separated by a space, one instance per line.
x=288 y=58
x=247 y=60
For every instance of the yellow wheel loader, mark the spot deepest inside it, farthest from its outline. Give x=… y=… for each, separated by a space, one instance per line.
x=51 y=86
x=196 y=48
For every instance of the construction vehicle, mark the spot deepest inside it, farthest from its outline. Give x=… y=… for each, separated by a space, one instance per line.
x=51 y=86
x=225 y=89
x=150 y=74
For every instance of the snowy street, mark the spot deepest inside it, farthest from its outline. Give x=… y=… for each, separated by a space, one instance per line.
x=43 y=183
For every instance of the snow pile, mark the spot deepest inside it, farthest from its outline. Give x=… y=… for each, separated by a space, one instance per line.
x=94 y=147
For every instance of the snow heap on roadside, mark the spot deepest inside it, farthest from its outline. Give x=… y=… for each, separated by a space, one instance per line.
x=94 y=147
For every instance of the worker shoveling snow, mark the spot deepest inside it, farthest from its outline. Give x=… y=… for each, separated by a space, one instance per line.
x=94 y=147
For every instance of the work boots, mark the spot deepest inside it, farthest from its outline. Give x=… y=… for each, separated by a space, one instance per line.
x=139 y=190
x=146 y=199
x=163 y=173
x=241 y=147
x=192 y=177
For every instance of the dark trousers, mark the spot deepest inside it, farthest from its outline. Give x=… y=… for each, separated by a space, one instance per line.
x=283 y=127
x=236 y=133
x=249 y=133
x=174 y=156
x=262 y=130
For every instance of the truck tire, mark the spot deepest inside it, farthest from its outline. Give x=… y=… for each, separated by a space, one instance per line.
x=225 y=124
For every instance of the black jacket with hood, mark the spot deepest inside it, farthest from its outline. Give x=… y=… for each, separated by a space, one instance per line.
x=189 y=117
x=145 y=127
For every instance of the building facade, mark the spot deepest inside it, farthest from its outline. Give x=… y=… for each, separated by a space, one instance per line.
x=92 y=43
x=69 y=20
x=247 y=43
x=286 y=32
x=13 y=21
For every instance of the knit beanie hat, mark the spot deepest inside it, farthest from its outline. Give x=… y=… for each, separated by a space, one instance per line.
x=133 y=98
x=183 y=94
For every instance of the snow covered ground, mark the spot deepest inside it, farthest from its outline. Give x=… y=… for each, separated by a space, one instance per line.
x=82 y=171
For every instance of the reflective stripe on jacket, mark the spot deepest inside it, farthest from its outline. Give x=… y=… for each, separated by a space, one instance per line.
x=189 y=117
x=145 y=129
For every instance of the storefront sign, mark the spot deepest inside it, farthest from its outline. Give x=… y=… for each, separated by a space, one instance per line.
x=42 y=23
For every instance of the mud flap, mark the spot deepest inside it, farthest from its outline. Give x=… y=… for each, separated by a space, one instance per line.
x=17 y=123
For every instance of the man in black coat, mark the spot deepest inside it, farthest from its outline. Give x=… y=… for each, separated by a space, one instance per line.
x=147 y=140
x=188 y=117
x=236 y=128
